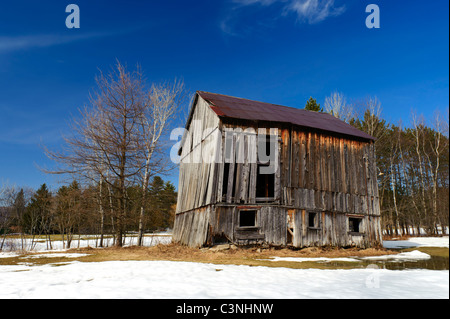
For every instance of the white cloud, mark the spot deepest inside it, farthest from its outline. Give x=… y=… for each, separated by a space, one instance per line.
x=314 y=11
x=8 y=44
x=308 y=11
x=25 y=42
x=15 y=43
x=250 y=2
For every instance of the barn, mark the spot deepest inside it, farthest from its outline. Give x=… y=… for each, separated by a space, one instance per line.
x=259 y=173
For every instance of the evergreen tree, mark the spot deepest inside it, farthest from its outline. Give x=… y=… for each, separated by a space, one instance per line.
x=163 y=197
x=36 y=219
x=66 y=210
x=169 y=198
x=18 y=209
x=312 y=105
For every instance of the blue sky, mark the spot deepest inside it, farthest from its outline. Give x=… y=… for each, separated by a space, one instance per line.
x=278 y=51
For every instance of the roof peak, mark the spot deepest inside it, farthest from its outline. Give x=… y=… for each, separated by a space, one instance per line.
x=243 y=98
x=226 y=106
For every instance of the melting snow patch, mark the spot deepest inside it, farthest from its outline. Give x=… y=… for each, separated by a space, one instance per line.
x=8 y=255
x=316 y=259
x=417 y=242
x=408 y=256
x=57 y=255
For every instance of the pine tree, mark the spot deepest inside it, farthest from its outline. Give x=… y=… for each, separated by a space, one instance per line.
x=169 y=199
x=19 y=207
x=312 y=105
x=67 y=210
x=36 y=219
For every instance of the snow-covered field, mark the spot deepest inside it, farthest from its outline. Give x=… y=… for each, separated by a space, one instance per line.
x=16 y=244
x=169 y=280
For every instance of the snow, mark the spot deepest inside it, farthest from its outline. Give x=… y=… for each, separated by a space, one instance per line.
x=418 y=242
x=407 y=256
x=189 y=280
x=85 y=241
x=314 y=259
x=169 y=280
x=5 y=254
x=56 y=255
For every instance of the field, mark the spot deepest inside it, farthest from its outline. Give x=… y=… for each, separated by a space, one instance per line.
x=170 y=271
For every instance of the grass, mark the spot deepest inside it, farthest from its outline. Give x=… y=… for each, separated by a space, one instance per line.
x=250 y=256
x=175 y=252
x=432 y=251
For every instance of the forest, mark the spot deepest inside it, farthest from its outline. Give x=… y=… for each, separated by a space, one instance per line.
x=413 y=179
x=119 y=150
x=73 y=209
x=412 y=162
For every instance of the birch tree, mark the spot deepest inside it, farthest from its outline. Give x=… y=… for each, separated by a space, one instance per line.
x=336 y=105
x=163 y=102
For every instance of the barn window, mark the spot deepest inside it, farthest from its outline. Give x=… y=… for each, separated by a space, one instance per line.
x=313 y=220
x=354 y=224
x=247 y=218
x=265 y=183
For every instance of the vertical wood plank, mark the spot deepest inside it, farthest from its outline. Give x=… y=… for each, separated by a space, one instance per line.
x=231 y=160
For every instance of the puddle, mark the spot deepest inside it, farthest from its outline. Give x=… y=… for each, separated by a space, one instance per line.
x=433 y=263
x=431 y=258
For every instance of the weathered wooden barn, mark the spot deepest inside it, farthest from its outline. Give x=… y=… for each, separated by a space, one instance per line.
x=254 y=172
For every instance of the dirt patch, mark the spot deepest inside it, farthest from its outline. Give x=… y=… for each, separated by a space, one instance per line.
x=251 y=256
x=255 y=256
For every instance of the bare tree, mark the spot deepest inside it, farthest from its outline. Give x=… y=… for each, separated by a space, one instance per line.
x=164 y=101
x=106 y=142
x=117 y=141
x=336 y=104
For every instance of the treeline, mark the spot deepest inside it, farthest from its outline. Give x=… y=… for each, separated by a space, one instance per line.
x=413 y=166
x=413 y=178
x=74 y=210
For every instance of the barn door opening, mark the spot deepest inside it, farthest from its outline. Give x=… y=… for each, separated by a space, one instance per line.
x=290 y=224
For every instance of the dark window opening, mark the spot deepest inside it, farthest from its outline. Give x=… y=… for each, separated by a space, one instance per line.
x=265 y=177
x=234 y=183
x=247 y=218
x=265 y=183
x=354 y=225
x=312 y=220
x=226 y=170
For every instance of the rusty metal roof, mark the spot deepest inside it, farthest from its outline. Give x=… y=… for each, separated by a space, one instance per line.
x=238 y=108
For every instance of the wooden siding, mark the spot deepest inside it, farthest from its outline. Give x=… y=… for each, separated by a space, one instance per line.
x=332 y=176
x=191 y=228
x=197 y=180
x=206 y=225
